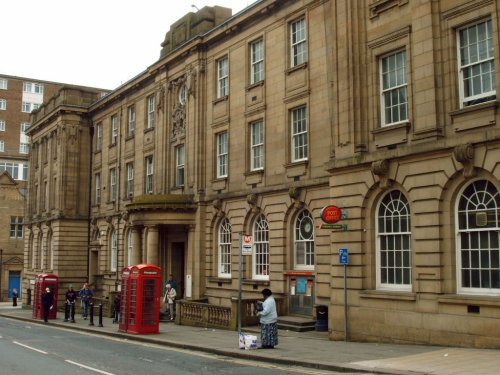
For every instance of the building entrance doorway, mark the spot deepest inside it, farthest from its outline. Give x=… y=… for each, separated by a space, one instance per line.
x=177 y=267
x=14 y=283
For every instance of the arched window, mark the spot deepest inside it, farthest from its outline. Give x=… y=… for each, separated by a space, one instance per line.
x=478 y=254
x=304 y=241
x=224 y=244
x=261 y=248
x=394 y=242
x=114 y=251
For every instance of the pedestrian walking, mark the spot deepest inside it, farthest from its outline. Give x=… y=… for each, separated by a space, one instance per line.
x=14 y=297
x=169 y=298
x=47 y=303
x=116 y=309
x=69 y=307
x=268 y=321
x=86 y=295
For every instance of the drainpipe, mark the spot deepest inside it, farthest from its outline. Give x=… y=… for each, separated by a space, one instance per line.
x=89 y=209
x=118 y=195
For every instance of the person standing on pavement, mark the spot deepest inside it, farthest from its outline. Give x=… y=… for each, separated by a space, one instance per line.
x=47 y=303
x=86 y=295
x=116 y=309
x=69 y=308
x=14 y=297
x=268 y=321
x=169 y=298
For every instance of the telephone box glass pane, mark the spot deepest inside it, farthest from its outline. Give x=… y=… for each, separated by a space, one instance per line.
x=148 y=303
x=133 y=295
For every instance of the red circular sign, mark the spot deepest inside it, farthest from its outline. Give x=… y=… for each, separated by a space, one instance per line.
x=331 y=214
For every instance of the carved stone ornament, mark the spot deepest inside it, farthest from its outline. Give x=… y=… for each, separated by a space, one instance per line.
x=217 y=203
x=252 y=199
x=179 y=121
x=380 y=168
x=294 y=192
x=160 y=98
x=464 y=154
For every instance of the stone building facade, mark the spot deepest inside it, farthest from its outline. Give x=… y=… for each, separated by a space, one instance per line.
x=386 y=109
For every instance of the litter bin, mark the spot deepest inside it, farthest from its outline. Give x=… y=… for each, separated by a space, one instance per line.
x=321 y=318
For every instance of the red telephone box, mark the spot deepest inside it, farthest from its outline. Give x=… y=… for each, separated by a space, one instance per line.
x=43 y=281
x=140 y=299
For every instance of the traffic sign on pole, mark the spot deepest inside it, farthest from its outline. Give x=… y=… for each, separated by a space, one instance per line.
x=344 y=256
x=247 y=245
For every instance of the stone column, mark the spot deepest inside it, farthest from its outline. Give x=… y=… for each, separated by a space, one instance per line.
x=136 y=245
x=152 y=245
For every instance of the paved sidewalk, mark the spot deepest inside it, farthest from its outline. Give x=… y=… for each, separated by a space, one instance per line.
x=307 y=349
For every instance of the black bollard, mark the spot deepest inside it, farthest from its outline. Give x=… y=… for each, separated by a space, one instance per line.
x=91 y=307
x=100 y=315
x=28 y=292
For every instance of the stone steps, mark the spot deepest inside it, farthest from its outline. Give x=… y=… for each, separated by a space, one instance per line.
x=296 y=324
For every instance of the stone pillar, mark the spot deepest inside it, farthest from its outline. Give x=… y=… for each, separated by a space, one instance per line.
x=152 y=246
x=136 y=245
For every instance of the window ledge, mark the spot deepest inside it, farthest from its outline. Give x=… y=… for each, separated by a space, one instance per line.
x=255 y=281
x=467 y=299
x=149 y=130
x=388 y=294
x=389 y=128
x=474 y=116
x=391 y=134
x=221 y=99
x=220 y=280
x=253 y=85
x=296 y=67
x=296 y=169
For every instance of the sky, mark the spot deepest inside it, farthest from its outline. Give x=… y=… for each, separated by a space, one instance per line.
x=96 y=43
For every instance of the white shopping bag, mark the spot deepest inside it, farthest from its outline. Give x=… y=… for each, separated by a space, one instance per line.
x=250 y=342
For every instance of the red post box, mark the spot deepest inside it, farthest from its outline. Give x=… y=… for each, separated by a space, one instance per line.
x=140 y=299
x=43 y=281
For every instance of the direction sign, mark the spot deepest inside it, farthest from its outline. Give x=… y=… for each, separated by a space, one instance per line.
x=344 y=255
x=247 y=245
x=333 y=226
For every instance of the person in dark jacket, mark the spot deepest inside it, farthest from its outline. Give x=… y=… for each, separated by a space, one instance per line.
x=116 y=309
x=69 y=308
x=47 y=303
x=14 y=297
